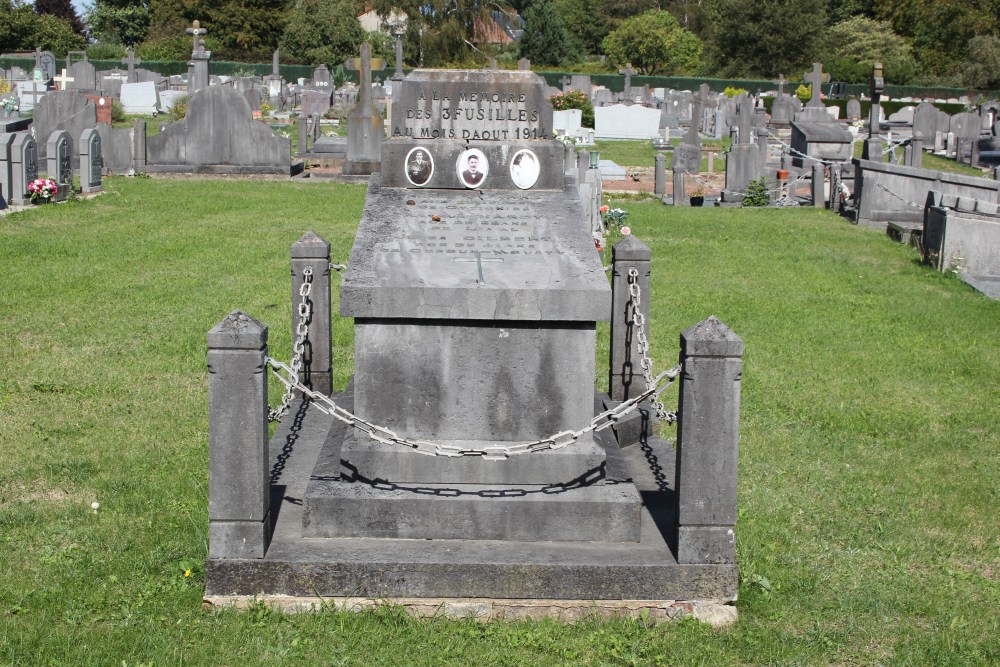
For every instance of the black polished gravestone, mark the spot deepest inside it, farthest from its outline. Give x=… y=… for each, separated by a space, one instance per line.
x=475 y=292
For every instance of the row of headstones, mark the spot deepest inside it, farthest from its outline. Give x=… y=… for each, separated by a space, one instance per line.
x=19 y=164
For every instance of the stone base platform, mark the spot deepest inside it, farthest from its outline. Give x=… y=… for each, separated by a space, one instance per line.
x=495 y=571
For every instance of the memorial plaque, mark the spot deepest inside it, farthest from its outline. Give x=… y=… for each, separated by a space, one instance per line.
x=469 y=105
x=687 y=158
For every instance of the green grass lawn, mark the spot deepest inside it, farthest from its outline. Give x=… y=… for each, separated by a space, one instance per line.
x=868 y=530
x=630 y=153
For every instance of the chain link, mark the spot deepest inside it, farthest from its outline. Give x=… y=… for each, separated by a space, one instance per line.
x=298 y=347
x=387 y=436
x=642 y=345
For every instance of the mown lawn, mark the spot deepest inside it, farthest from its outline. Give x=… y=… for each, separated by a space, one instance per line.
x=868 y=527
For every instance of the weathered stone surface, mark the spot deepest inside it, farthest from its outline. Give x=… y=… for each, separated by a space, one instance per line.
x=63 y=110
x=622 y=121
x=238 y=488
x=823 y=141
x=91 y=161
x=218 y=135
x=24 y=167
x=313 y=251
x=535 y=263
x=472 y=105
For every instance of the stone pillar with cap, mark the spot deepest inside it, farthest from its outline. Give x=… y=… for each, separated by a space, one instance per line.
x=238 y=486
x=660 y=175
x=708 y=432
x=312 y=250
x=818 y=177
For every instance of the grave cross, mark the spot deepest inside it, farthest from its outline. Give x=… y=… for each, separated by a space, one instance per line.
x=781 y=85
x=701 y=100
x=398 y=75
x=877 y=87
x=38 y=57
x=196 y=31
x=364 y=66
x=817 y=85
x=479 y=263
x=628 y=72
x=564 y=82
x=276 y=64
x=131 y=61
x=62 y=80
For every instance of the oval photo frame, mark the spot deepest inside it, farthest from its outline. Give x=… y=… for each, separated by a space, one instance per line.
x=472 y=168
x=525 y=169
x=419 y=166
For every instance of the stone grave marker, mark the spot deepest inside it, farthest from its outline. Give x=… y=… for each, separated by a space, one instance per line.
x=365 y=127
x=30 y=93
x=198 y=67
x=6 y=165
x=130 y=61
x=627 y=72
x=91 y=161
x=67 y=110
x=871 y=149
x=140 y=98
x=84 y=76
x=168 y=98
x=814 y=110
x=853 y=108
x=24 y=167
x=624 y=121
x=315 y=102
x=59 y=162
x=321 y=77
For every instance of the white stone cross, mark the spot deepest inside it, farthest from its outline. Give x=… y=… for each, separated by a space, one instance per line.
x=62 y=79
x=197 y=31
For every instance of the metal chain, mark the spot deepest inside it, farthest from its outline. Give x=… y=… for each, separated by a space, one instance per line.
x=642 y=345
x=298 y=347
x=893 y=194
x=385 y=435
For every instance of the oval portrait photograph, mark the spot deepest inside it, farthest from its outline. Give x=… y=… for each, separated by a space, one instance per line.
x=524 y=169
x=419 y=166
x=472 y=168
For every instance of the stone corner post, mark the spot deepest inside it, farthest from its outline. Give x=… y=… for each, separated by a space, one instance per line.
x=139 y=146
x=313 y=250
x=660 y=175
x=238 y=487
x=625 y=378
x=818 y=177
x=708 y=432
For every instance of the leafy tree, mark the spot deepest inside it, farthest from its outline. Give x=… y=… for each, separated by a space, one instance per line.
x=545 y=40
x=249 y=29
x=322 y=31
x=119 y=24
x=584 y=22
x=575 y=99
x=23 y=30
x=849 y=49
x=763 y=39
x=61 y=9
x=981 y=68
x=654 y=43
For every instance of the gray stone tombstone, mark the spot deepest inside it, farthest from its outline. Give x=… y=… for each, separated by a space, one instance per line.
x=84 y=76
x=46 y=60
x=59 y=162
x=130 y=61
x=24 y=166
x=6 y=165
x=198 y=66
x=321 y=77
x=853 y=108
x=365 y=127
x=524 y=64
x=580 y=82
x=814 y=110
x=315 y=102
x=91 y=161
x=872 y=147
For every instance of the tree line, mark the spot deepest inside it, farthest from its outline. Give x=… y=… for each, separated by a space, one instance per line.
x=927 y=42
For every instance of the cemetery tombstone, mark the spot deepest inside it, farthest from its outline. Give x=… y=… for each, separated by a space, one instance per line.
x=67 y=110
x=872 y=147
x=24 y=167
x=59 y=162
x=130 y=61
x=46 y=61
x=321 y=77
x=814 y=110
x=315 y=102
x=853 y=109
x=365 y=127
x=626 y=121
x=198 y=66
x=140 y=98
x=6 y=165
x=84 y=76
x=91 y=161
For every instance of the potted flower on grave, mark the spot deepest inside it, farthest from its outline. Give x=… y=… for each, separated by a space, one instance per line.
x=698 y=196
x=42 y=190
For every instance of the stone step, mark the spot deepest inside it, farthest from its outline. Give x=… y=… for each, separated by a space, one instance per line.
x=602 y=512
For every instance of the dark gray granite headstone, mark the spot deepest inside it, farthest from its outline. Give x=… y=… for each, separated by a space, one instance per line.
x=59 y=161
x=91 y=161
x=84 y=76
x=66 y=110
x=24 y=167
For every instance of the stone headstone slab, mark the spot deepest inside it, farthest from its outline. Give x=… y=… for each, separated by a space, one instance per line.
x=853 y=109
x=30 y=93
x=904 y=115
x=84 y=76
x=622 y=121
x=168 y=98
x=91 y=161
x=686 y=158
x=24 y=167
x=929 y=120
x=567 y=122
x=824 y=141
x=59 y=162
x=610 y=170
x=67 y=110
x=218 y=135
x=315 y=102
x=580 y=82
x=783 y=109
x=965 y=125
x=6 y=166
x=140 y=98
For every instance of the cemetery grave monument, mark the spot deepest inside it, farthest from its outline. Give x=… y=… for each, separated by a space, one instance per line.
x=467 y=464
